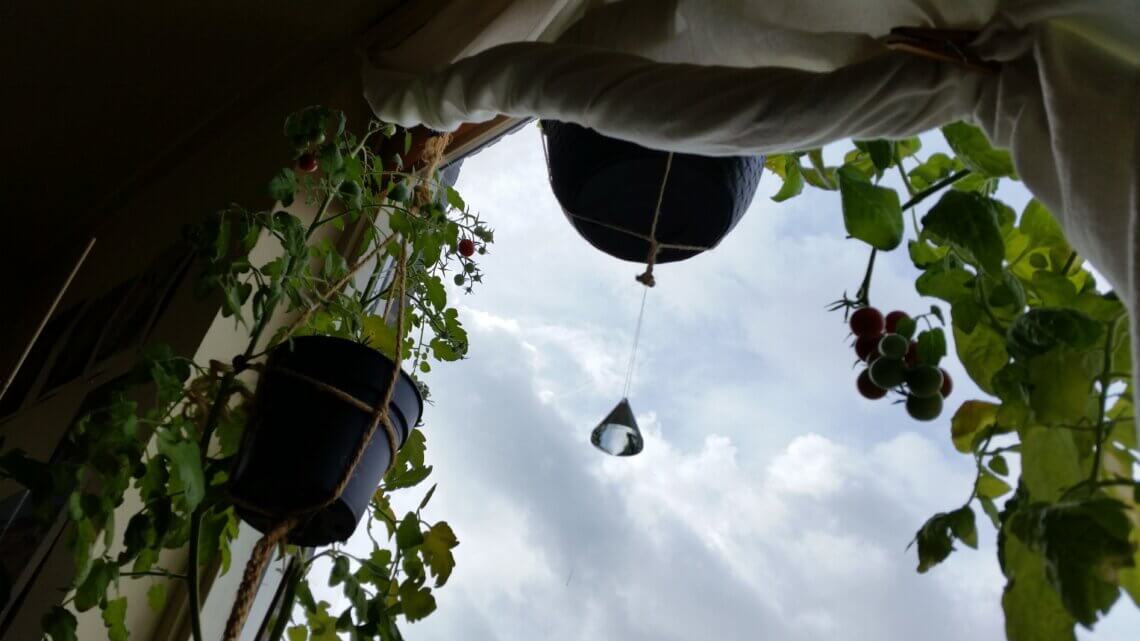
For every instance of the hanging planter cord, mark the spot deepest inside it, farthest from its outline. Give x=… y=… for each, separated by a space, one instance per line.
x=251 y=576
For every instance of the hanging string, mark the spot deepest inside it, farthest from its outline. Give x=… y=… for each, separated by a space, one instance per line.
x=636 y=339
x=654 y=247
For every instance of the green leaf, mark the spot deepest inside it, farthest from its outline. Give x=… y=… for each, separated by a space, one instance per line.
x=982 y=352
x=1042 y=329
x=950 y=284
x=436 y=550
x=990 y=486
x=156 y=597
x=297 y=633
x=59 y=624
x=455 y=200
x=870 y=213
x=1085 y=545
x=94 y=587
x=968 y=223
x=882 y=153
x=283 y=186
x=339 y=572
x=379 y=335
x=185 y=463
x=417 y=602
x=1033 y=610
x=114 y=617
x=999 y=465
x=1050 y=462
x=934 y=169
x=923 y=255
x=968 y=423
x=1060 y=386
x=793 y=179
x=963 y=527
x=931 y=346
x=408 y=533
x=436 y=293
x=976 y=152
x=427 y=497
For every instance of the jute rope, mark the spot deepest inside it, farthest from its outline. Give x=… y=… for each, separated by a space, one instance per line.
x=255 y=567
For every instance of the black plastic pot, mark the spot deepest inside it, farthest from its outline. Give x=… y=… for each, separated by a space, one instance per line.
x=617 y=183
x=300 y=438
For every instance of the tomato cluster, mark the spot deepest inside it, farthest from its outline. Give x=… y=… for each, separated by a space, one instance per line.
x=893 y=363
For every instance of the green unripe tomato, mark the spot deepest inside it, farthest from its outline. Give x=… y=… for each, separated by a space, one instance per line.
x=887 y=372
x=469 y=267
x=924 y=381
x=400 y=193
x=924 y=409
x=893 y=346
x=460 y=279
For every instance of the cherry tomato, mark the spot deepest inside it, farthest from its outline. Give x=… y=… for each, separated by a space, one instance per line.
x=947 y=383
x=466 y=247
x=867 y=387
x=867 y=321
x=924 y=409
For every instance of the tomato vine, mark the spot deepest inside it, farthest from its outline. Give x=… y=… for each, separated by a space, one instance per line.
x=1049 y=349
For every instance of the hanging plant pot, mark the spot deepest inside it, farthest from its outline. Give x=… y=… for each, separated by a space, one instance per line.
x=606 y=185
x=300 y=438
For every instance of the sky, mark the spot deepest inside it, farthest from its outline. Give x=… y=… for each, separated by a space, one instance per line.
x=770 y=502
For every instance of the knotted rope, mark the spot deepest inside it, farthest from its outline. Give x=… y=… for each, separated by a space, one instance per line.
x=251 y=576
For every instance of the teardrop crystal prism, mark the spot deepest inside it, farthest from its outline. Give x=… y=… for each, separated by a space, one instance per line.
x=618 y=434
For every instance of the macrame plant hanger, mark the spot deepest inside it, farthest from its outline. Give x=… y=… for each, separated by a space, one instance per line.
x=259 y=558
x=618 y=433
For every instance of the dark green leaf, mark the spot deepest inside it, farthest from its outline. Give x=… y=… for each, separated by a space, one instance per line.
x=340 y=570
x=931 y=346
x=408 y=533
x=882 y=152
x=94 y=587
x=59 y=624
x=283 y=186
x=1040 y=330
x=950 y=284
x=962 y=526
x=969 y=223
x=870 y=213
x=998 y=465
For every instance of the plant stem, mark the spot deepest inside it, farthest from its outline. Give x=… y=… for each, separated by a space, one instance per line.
x=863 y=295
x=935 y=188
x=292 y=578
x=169 y=575
x=1068 y=263
x=1102 y=402
x=902 y=173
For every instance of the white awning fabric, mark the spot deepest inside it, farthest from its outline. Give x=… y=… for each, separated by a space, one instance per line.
x=754 y=76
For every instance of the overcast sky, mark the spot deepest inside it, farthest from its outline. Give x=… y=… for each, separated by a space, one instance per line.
x=770 y=502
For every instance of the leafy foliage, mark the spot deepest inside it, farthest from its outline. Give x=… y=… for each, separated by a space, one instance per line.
x=1052 y=352
x=193 y=414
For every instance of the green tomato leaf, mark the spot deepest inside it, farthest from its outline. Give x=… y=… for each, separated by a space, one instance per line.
x=417 y=602
x=297 y=633
x=976 y=152
x=1050 y=462
x=185 y=463
x=94 y=587
x=982 y=352
x=998 y=464
x=963 y=527
x=793 y=179
x=870 y=213
x=436 y=550
x=1042 y=329
x=408 y=533
x=59 y=624
x=283 y=186
x=931 y=346
x=1033 y=609
x=156 y=597
x=969 y=422
x=969 y=224
x=990 y=486
x=114 y=617
x=882 y=153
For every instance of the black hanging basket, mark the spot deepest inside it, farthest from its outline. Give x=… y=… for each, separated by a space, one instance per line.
x=616 y=183
x=300 y=437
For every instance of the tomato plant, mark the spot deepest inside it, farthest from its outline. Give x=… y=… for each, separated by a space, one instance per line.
x=171 y=433
x=1048 y=348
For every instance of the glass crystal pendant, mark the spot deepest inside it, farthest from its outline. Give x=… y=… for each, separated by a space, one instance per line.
x=618 y=434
